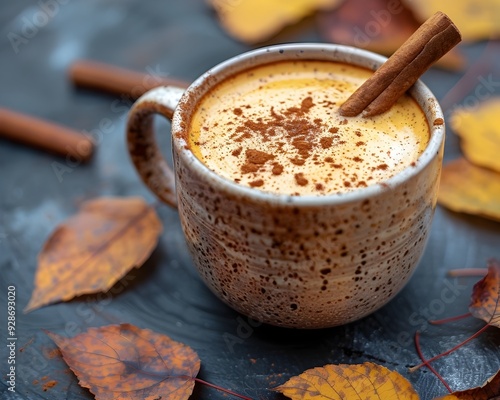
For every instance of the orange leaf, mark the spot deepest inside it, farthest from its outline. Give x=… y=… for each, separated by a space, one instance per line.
x=489 y=390
x=92 y=250
x=366 y=381
x=470 y=189
x=381 y=26
x=253 y=21
x=485 y=294
x=125 y=362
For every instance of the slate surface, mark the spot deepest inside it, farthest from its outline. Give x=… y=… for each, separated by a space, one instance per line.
x=182 y=38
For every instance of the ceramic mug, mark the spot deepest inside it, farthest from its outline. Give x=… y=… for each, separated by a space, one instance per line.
x=291 y=261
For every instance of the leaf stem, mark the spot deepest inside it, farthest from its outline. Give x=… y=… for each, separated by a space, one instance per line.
x=449 y=319
x=221 y=389
x=426 y=363
x=413 y=369
x=465 y=272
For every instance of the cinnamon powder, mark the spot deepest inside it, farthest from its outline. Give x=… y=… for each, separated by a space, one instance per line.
x=277 y=169
x=287 y=131
x=292 y=125
x=300 y=179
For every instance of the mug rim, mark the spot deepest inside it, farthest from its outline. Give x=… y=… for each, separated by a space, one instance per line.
x=306 y=51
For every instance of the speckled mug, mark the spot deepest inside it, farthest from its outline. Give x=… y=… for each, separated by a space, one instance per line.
x=302 y=261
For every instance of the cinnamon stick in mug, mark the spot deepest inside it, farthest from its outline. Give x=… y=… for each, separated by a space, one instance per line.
x=430 y=42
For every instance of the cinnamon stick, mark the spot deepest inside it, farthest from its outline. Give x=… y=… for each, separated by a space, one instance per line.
x=119 y=81
x=434 y=38
x=45 y=135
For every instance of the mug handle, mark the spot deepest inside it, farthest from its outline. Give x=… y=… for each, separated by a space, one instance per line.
x=142 y=145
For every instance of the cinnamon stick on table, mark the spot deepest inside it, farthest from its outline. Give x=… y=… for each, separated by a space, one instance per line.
x=115 y=80
x=45 y=135
x=434 y=38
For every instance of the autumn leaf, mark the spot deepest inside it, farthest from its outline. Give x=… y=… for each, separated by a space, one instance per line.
x=476 y=20
x=127 y=363
x=470 y=189
x=92 y=250
x=253 y=21
x=479 y=132
x=381 y=26
x=366 y=381
x=485 y=294
x=488 y=391
x=484 y=305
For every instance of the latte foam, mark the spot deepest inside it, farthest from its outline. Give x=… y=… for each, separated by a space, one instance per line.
x=277 y=128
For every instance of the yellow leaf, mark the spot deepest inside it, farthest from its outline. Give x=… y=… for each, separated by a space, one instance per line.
x=470 y=189
x=366 y=381
x=91 y=251
x=476 y=19
x=253 y=21
x=479 y=132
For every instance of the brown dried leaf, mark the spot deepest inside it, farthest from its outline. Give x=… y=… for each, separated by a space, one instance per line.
x=490 y=390
x=253 y=21
x=366 y=381
x=381 y=26
x=470 y=189
x=479 y=132
x=127 y=363
x=92 y=250
x=485 y=296
x=476 y=19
